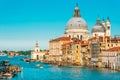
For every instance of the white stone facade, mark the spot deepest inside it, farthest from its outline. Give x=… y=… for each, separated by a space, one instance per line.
x=109 y=59
x=118 y=62
x=77 y=33
x=37 y=54
x=98 y=34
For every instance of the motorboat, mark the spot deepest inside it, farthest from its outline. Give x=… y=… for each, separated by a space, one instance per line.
x=41 y=67
x=7 y=75
x=37 y=65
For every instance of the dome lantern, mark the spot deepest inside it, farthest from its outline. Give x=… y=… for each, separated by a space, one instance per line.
x=103 y=22
x=98 y=20
x=77 y=11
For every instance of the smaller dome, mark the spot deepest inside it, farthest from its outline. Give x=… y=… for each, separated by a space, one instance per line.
x=98 y=27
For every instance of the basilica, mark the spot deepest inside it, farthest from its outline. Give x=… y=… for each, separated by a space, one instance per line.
x=77 y=27
x=37 y=54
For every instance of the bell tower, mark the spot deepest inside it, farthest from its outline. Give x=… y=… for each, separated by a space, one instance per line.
x=103 y=22
x=108 y=27
x=37 y=49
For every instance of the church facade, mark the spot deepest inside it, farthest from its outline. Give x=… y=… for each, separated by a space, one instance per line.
x=37 y=54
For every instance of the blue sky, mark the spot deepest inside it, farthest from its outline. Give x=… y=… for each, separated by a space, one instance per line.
x=23 y=22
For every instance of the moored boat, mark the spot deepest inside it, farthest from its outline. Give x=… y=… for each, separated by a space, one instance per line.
x=41 y=67
x=7 y=75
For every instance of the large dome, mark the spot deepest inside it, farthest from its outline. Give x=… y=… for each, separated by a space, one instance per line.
x=98 y=27
x=76 y=23
x=76 y=27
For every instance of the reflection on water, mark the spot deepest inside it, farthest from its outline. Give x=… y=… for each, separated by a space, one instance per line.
x=50 y=72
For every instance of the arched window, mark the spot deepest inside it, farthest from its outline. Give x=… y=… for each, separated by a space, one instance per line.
x=112 y=45
x=69 y=36
x=77 y=36
x=108 y=45
x=95 y=35
x=81 y=37
x=77 y=46
x=108 y=27
x=37 y=57
x=100 y=50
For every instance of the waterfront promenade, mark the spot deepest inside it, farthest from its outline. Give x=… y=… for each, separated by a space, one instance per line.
x=50 y=72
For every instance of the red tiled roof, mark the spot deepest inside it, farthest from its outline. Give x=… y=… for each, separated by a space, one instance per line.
x=62 y=39
x=84 y=44
x=47 y=53
x=107 y=36
x=114 y=49
x=100 y=38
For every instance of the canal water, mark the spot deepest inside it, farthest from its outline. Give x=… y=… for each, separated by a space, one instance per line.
x=50 y=72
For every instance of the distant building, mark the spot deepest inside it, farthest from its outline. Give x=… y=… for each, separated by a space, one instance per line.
x=37 y=54
x=12 y=53
x=2 y=53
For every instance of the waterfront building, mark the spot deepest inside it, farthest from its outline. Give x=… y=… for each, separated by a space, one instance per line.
x=115 y=41
x=72 y=52
x=46 y=57
x=118 y=61
x=37 y=54
x=85 y=52
x=55 y=48
x=77 y=26
x=97 y=45
x=111 y=58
